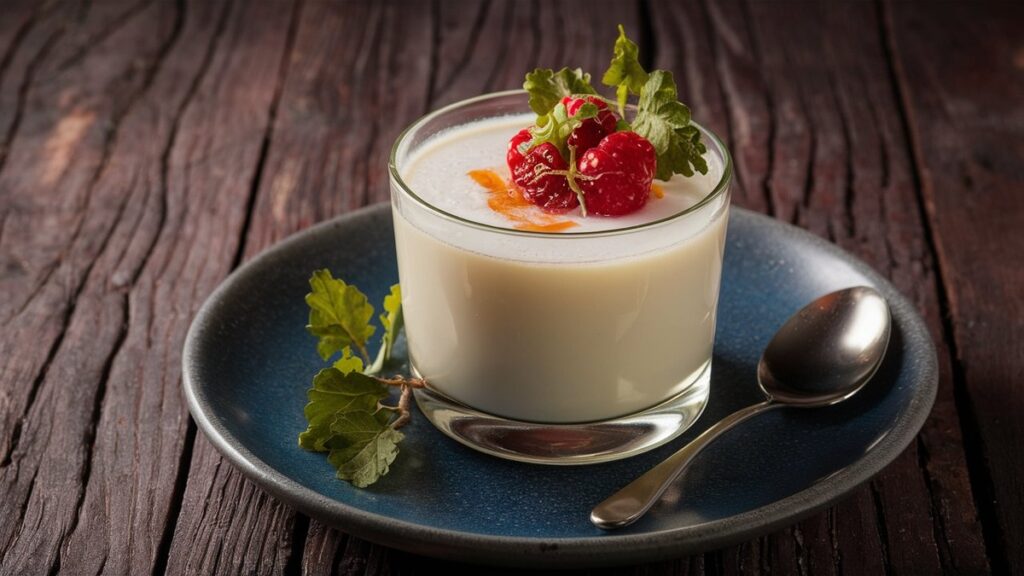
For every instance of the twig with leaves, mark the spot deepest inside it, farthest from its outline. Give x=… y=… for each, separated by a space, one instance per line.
x=347 y=414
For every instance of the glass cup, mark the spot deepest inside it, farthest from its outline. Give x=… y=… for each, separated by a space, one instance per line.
x=557 y=347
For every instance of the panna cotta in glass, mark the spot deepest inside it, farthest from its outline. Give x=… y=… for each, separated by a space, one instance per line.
x=557 y=319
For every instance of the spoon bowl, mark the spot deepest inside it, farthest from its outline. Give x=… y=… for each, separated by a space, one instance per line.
x=822 y=355
x=827 y=351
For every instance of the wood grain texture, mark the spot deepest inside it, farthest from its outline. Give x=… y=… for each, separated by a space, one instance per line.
x=63 y=315
x=960 y=74
x=225 y=524
x=133 y=219
x=149 y=146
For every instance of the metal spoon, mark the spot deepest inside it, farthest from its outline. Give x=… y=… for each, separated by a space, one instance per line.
x=822 y=355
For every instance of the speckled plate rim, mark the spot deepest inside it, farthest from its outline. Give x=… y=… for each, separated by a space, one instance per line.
x=599 y=550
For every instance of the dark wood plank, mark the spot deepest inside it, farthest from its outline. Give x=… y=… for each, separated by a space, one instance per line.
x=229 y=52
x=749 y=119
x=960 y=77
x=209 y=178
x=125 y=211
x=58 y=334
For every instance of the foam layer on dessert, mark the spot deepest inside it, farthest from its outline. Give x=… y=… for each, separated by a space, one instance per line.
x=437 y=171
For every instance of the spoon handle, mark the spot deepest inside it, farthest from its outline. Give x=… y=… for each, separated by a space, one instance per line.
x=636 y=498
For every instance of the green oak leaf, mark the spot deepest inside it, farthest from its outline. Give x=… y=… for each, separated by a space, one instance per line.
x=363 y=447
x=339 y=315
x=625 y=73
x=547 y=87
x=334 y=394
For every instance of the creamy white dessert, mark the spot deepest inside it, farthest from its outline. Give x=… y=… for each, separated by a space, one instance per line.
x=554 y=327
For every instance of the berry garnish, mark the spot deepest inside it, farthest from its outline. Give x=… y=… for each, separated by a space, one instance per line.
x=540 y=174
x=615 y=176
x=579 y=152
x=591 y=131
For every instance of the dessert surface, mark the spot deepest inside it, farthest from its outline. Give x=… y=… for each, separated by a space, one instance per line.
x=439 y=173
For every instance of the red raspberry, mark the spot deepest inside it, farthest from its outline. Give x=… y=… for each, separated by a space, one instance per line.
x=616 y=175
x=591 y=131
x=551 y=192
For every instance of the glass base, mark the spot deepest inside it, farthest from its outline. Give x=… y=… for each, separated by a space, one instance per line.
x=567 y=444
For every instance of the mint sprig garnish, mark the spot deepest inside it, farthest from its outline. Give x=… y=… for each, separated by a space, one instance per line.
x=547 y=87
x=660 y=117
x=665 y=122
x=347 y=415
x=625 y=73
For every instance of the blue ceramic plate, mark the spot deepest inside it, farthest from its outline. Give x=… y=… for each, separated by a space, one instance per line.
x=248 y=362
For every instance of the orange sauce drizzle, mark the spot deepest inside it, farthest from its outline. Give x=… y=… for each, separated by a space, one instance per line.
x=506 y=199
x=658 y=191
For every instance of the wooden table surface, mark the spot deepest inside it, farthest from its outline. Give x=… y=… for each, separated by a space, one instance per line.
x=147 y=147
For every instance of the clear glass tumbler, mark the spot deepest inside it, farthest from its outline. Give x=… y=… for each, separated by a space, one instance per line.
x=557 y=347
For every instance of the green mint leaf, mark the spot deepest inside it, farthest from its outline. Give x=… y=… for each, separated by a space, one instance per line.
x=351 y=431
x=392 y=322
x=625 y=73
x=665 y=122
x=363 y=448
x=335 y=393
x=339 y=314
x=684 y=155
x=547 y=87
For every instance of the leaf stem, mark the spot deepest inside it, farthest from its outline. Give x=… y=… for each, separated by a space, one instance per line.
x=571 y=178
x=402 y=381
x=404 y=414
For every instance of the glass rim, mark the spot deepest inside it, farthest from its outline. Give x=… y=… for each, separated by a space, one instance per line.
x=396 y=178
